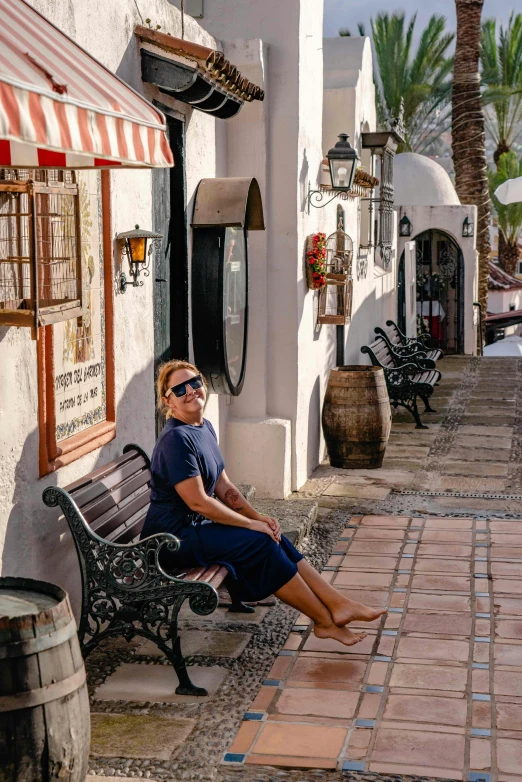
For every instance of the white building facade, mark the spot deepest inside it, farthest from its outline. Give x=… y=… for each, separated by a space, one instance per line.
x=271 y=432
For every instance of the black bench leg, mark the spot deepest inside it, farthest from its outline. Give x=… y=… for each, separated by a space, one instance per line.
x=415 y=413
x=185 y=686
x=427 y=407
x=236 y=607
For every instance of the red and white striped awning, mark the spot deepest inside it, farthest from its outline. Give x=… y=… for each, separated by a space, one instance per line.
x=60 y=108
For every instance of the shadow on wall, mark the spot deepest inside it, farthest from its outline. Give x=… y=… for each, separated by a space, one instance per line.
x=38 y=543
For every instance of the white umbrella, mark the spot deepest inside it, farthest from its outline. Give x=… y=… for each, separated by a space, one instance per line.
x=510 y=191
x=510 y=346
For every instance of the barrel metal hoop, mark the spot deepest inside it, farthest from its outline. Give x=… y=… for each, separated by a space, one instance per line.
x=32 y=698
x=39 y=644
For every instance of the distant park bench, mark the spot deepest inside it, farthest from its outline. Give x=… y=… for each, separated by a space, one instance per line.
x=407 y=377
x=124 y=589
x=406 y=345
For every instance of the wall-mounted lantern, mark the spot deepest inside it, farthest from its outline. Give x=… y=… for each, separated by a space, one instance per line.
x=342 y=163
x=137 y=245
x=468 y=227
x=405 y=227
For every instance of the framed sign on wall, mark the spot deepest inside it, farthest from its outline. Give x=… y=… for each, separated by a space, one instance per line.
x=224 y=211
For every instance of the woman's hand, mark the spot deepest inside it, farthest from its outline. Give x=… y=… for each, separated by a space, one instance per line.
x=272 y=523
x=262 y=525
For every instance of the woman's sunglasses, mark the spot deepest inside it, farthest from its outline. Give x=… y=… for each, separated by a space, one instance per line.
x=181 y=388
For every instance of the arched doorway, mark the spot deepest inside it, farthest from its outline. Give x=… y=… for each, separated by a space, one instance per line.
x=440 y=290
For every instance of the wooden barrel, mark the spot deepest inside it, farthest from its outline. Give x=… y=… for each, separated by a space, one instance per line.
x=44 y=706
x=356 y=417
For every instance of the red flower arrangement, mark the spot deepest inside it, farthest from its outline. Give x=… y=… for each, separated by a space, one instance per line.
x=316 y=261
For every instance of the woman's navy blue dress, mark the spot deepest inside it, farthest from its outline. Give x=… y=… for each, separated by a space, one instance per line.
x=258 y=564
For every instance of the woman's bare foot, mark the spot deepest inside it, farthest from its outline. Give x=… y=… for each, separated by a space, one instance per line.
x=342 y=634
x=350 y=611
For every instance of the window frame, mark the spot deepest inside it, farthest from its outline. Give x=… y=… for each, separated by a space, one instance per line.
x=53 y=455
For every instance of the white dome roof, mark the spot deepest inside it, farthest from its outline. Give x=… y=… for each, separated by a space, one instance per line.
x=420 y=181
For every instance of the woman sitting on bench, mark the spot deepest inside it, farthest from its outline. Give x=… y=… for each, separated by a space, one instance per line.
x=187 y=475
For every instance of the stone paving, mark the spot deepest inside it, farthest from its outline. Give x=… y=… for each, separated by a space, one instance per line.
x=436 y=688
x=421 y=706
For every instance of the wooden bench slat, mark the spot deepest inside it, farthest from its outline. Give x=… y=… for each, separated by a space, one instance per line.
x=100 y=472
x=110 y=500
x=128 y=534
x=218 y=578
x=108 y=482
x=105 y=524
x=194 y=574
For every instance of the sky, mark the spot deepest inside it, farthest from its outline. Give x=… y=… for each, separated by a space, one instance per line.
x=347 y=13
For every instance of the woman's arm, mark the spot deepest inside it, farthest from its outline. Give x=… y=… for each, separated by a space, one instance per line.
x=193 y=493
x=230 y=495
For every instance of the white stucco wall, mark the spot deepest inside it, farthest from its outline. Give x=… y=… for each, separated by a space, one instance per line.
x=449 y=219
x=503 y=301
x=32 y=543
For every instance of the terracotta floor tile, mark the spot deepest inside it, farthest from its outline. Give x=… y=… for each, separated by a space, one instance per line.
x=480 y=680
x=436 y=750
x=457 y=603
x=501 y=539
x=505 y=526
x=509 y=756
x=448 y=536
x=429 y=677
x=451 y=524
x=376 y=547
x=509 y=716
x=438 y=624
x=505 y=552
x=358 y=743
x=348 y=673
x=244 y=737
x=319 y=703
x=508 y=654
x=481 y=714
x=367 y=596
x=263 y=699
x=362 y=562
x=442 y=583
x=403 y=580
x=508 y=683
x=375 y=533
x=314 y=644
x=508 y=605
x=348 y=578
x=480 y=754
x=385 y=521
x=335 y=561
x=393 y=768
x=440 y=565
x=293 y=642
x=291 y=762
x=444 y=550
x=392 y=621
x=386 y=645
x=299 y=740
x=481 y=653
x=433 y=649
x=369 y=706
x=443 y=711
x=506 y=568
x=378 y=673
x=509 y=628
x=503 y=586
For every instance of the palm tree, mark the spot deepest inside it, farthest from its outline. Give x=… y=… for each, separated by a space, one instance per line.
x=419 y=76
x=510 y=216
x=501 y=61
x=468 y=134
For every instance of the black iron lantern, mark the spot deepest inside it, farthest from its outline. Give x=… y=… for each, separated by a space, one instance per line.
x=468 y=227
x=137 y=245
x=405 y=227
x=342 y=160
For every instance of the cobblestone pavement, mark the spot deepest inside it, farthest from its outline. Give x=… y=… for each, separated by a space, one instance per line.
x=472 y=446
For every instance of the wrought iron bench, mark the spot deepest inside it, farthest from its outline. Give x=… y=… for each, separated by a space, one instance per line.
x=406 y=345
x=407 y=377
x=124 y=589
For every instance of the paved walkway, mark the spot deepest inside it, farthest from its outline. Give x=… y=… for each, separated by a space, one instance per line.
x=420 y=695
x=417 y=698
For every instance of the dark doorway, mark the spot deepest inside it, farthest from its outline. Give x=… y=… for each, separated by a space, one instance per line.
x=401 y=295
x=440 y=290
x=169 y=209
